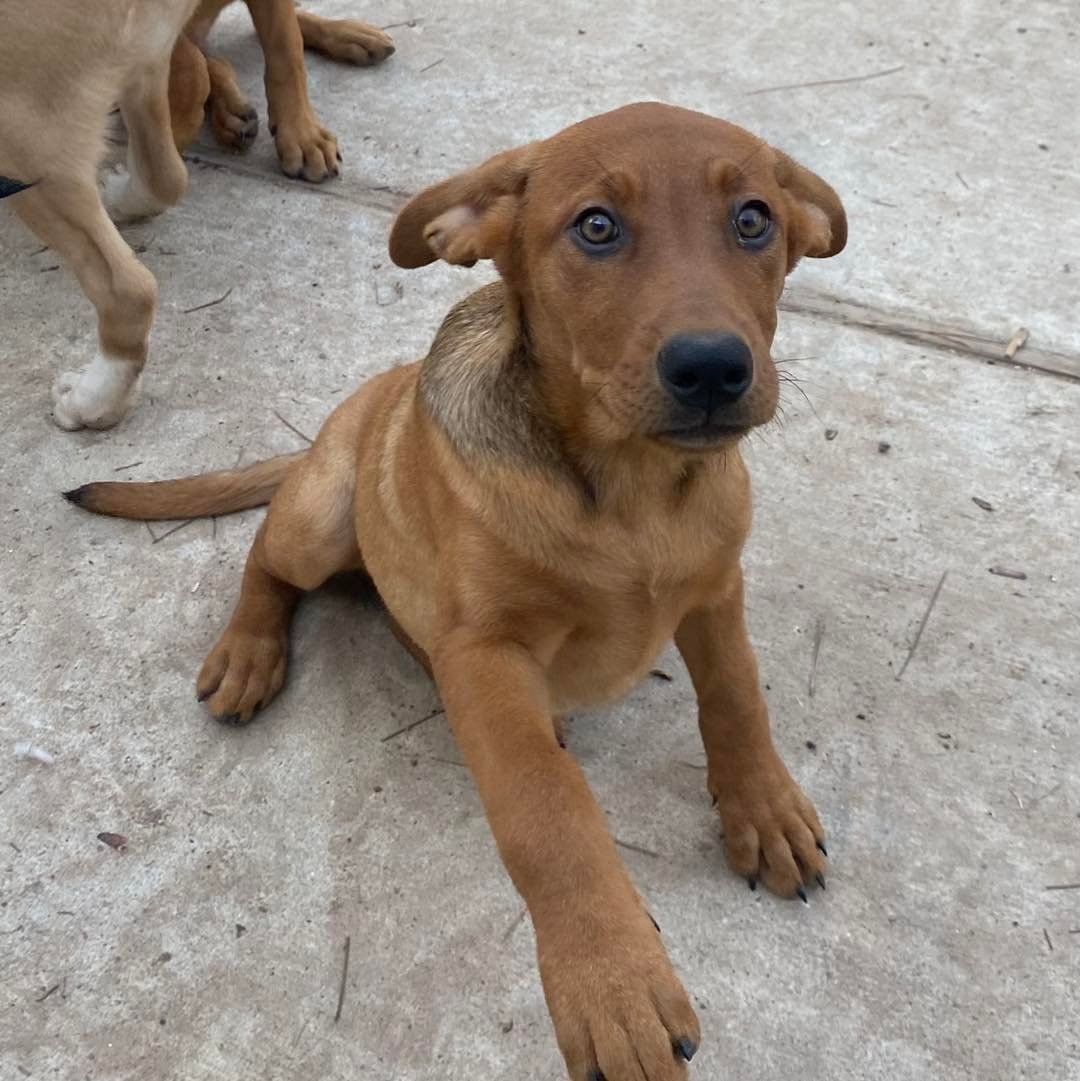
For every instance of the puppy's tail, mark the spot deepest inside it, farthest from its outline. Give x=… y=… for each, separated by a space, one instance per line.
x=203 y=496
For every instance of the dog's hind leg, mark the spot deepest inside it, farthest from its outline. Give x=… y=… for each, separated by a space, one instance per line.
x=308 y=536
x=67 y=215
x=345 y=39
x=156 y=176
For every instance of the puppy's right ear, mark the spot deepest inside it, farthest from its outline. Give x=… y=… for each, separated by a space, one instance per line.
x=466 y=218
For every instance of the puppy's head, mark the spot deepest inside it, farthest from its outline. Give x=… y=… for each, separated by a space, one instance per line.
x=648 y=247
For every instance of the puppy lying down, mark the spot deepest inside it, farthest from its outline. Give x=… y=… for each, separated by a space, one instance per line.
x=548 y=498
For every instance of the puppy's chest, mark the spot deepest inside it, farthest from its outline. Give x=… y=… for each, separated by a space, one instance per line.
x=632 y=596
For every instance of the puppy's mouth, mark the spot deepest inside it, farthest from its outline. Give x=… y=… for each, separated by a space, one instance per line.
x=705 y=436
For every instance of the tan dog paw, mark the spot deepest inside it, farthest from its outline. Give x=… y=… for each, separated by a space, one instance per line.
x=620 y=1012
x=233 y=121
x=242 y=674
x=306 y=149
x=772 y=833
x=351 y=42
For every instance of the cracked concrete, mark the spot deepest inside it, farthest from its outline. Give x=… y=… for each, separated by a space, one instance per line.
x=212 y=947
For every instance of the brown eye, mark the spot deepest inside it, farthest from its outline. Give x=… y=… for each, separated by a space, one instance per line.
x=752 y=220
x=597 y=227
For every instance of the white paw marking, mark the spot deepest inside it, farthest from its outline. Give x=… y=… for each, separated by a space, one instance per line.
x=98 y=396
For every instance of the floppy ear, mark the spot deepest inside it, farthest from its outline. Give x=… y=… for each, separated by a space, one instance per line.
x=463 y=219
x=820 y=228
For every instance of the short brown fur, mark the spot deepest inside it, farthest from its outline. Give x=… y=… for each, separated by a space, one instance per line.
x=538 y=538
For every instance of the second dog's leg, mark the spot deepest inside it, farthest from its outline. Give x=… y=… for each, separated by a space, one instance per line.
x=618 y=1008
x=67 y=215
x=309 y=535
x=345 y=39
x=156 y=176
x=305 y=148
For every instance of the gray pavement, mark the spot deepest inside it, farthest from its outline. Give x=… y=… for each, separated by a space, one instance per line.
x=212 y=947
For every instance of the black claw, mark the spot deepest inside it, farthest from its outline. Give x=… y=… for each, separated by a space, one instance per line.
x=75 y=495
x=820 y=880
x=596 y=1075
x=653 y=922
x=203 y=697
x=822 y=849
x=751 y=881
x=801 y=894
x=686 y=1047
x=231 y=719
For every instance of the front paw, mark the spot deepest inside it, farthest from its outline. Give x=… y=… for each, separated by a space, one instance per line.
x=306 y=149
x=243 y=673
x=772 y=833
x=620 y=1012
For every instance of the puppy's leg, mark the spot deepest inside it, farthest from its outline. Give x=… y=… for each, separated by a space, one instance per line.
x=67 y=215
x=308 y=535
x=156 y=177
x=305 y=148
x=345 y=39
x=232 y=117
x=618 y=1008
x=189 y=89
x=771 y=830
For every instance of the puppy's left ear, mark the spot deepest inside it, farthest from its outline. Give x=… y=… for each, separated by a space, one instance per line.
x=466 y=218
x=820 y=226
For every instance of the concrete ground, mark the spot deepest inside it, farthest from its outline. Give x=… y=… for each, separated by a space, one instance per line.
x=212 y=947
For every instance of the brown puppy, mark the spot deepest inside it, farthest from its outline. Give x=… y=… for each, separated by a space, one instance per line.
x=305 y=148
x=548 y=498
x=63 y=67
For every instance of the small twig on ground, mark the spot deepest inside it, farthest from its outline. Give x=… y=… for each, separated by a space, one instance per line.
x=828 y=82
x=922 y=625
x=1016 y=343
x=292 y=428
x=158 y=538
x=508 y=933
x=42 y=998
x=447 y=761
x=433 y=64
x=819 y=637
x=1065 y=886
x=412 y=725
x=1007 y=572
x=962 y=180
x=636 y=848
x=410 y=23
x=1046 y=935
x=130 y=465
x=209 y=303
x=344 y=977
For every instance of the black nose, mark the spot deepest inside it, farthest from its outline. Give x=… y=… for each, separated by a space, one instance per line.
x=705 y=370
